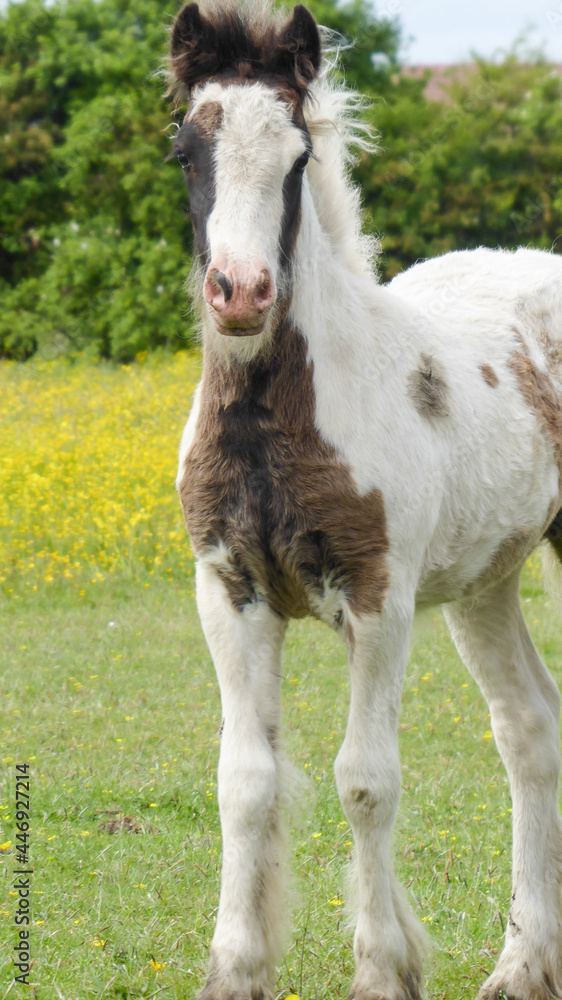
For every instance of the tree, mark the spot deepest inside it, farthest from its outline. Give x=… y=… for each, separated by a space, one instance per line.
x=485 y=169
x=94 y=243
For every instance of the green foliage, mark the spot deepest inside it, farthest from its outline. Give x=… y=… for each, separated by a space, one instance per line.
x=106 y=292
x=94 y=243
x=93 y=236
x=485 y=169
x=365 y=36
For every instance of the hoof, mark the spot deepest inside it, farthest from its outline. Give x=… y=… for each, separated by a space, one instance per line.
x=520 y=986
x=220 y=989
x=256 y=993
x=376 y=995
x=407 y=988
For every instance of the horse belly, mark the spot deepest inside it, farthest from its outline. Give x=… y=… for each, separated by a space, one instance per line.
x=483 y=565
x=487 y=529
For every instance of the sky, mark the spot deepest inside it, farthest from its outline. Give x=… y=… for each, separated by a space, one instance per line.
x=446 y=31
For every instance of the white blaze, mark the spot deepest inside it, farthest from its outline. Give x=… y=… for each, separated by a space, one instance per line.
x=256 y=147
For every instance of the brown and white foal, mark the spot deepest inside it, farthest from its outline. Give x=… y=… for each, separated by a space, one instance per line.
x=355 y=450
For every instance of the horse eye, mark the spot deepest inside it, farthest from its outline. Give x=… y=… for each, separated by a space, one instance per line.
x=301 y=163
x=183 y=161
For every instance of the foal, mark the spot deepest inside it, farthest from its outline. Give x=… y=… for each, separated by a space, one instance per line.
x=355 y=450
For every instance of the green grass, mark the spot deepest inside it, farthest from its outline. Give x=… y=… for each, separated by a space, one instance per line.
x=112 y=699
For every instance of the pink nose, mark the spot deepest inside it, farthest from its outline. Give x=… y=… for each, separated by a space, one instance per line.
x=239 y=298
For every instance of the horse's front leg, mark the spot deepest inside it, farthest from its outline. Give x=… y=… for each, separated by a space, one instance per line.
x=387 y=938
x=245 y=646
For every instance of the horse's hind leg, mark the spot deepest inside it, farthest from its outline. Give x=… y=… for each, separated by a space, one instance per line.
x=491 y=636
x=245 y=646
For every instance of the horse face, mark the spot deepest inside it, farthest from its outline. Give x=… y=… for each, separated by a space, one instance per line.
x=244 y=148
x=244 y=156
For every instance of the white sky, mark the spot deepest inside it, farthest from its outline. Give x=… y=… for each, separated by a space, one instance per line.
x=445 y=31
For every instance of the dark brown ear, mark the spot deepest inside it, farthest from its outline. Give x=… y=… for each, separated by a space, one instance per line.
x=300 y=48
x=193 y=48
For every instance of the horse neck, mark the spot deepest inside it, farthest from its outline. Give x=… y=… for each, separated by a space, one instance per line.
x=323 y=317
x=272 y=390
x=332 y=295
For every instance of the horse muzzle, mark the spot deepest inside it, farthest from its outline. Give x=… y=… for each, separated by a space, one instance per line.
x=239 y=299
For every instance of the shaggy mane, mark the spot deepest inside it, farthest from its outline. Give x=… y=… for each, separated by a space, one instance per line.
x=336 y=119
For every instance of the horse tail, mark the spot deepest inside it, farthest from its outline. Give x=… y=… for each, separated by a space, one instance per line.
x=551 y=555
x=553 y=534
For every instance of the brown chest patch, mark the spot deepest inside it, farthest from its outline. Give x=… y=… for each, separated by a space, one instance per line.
x=489 y=376
x=260 y=480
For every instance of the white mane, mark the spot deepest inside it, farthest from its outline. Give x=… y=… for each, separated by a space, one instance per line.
x=335 y=119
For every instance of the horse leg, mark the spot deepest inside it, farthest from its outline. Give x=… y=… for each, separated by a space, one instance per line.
x=245 y=646
x=492 y=638
x=387 y=938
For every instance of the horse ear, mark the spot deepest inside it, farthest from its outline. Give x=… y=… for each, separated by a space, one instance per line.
x=300 y=48
x=193 y=48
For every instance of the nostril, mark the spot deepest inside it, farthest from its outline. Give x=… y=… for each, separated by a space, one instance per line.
x=241 y=292
x=264 y=290
x=218 y=289
x=223 y=282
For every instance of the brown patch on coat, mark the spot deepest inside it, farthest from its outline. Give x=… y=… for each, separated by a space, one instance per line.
x=540 y=319
x=489 y=376
x=540 y=395
x=260 y=480
x=238 y=582
x=195 y=141
x=427 y=388
x=291 y=98
x=363 y=798
x=207 y=119
x=552 y=350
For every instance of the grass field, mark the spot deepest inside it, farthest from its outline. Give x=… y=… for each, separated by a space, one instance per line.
x=108 y=693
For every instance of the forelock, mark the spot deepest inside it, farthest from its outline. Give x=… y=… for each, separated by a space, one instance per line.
x=251 y=110
x=243 y=40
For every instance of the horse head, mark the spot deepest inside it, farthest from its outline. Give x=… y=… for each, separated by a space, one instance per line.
x=244 y=147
